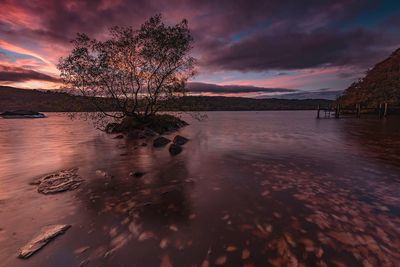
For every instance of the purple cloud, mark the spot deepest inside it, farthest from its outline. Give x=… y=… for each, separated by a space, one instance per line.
x=16 y=74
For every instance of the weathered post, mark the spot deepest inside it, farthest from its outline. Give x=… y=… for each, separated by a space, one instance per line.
x=337 y=110
x=380 y=110
x=356 y=110
x=358 y=107
x=319 y=109
x=386 y=110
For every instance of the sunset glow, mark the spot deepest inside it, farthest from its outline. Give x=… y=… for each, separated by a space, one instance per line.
x=315 y=46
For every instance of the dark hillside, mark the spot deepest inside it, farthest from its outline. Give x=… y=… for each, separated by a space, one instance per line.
x=381 y=84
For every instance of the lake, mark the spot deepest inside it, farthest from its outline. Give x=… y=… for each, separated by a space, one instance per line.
x=276 y=188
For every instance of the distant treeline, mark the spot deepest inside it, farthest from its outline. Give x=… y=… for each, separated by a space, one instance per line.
x=14 y=99
x=220 y=103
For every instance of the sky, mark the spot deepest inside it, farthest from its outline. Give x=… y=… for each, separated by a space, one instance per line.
x=305 y=45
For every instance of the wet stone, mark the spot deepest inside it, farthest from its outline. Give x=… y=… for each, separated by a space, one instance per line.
x=137 y=174
x=161 y=141
x=149 y=133
x=64 y=180
x=175 y=149
x=47 y=234
x=180 y=140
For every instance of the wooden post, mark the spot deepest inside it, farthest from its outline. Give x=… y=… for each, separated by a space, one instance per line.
x=337 y=110
x=358 y=110
x=319 y=109
x=380 y=110
x=386 y=110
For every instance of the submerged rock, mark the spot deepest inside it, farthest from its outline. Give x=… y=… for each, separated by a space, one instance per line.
x=160 y=141
x=103 y=173
x=61 y=181
x=180 y=140
x=141 y=133
x=135 y=134
x=137 y=174
x=47 y=234
x=147 y=132
x=175 y=149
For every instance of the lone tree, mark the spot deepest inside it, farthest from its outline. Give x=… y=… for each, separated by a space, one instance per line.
x=134 y=72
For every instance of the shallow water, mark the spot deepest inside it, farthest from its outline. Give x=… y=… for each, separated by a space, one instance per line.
x=249 y=189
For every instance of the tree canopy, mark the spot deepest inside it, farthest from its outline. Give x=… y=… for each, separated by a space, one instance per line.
x=135 y=70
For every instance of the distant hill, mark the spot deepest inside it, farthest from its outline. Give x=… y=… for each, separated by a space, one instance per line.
x=38 y=100
x=381 y=84
x=220 y=103
x=319 y=94
x=14 y=98
x=196 y=87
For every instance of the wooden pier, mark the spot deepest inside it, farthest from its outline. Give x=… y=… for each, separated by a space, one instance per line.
x=382 y=111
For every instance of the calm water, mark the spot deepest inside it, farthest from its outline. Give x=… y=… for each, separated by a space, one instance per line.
x=249 y=189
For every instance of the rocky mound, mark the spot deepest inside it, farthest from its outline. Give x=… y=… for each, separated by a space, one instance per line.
x=148 y=127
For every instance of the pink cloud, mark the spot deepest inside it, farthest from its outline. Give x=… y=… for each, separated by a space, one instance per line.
x=299 y=79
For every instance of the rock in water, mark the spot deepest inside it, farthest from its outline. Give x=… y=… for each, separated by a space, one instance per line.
x=160 y=141
x=135 y=134
x=175 y=149
x=61 y=181
x=180 y=140
x=47 y=234
x=148 y=133
x=137 y=174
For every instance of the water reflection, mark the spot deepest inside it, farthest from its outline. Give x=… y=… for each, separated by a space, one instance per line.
x=379 y=138
x=249 y=189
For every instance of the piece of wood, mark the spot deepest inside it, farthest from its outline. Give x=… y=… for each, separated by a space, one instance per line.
x=337 y=111
x=386 y=110
x=47 y=234
x=380 y=110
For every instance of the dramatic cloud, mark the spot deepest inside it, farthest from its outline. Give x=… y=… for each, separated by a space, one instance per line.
x=294 y=50
x=233 y=89
x=16 y=74
x=254 y=38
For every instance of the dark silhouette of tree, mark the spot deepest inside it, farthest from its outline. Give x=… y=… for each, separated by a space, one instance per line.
x=132 y=73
